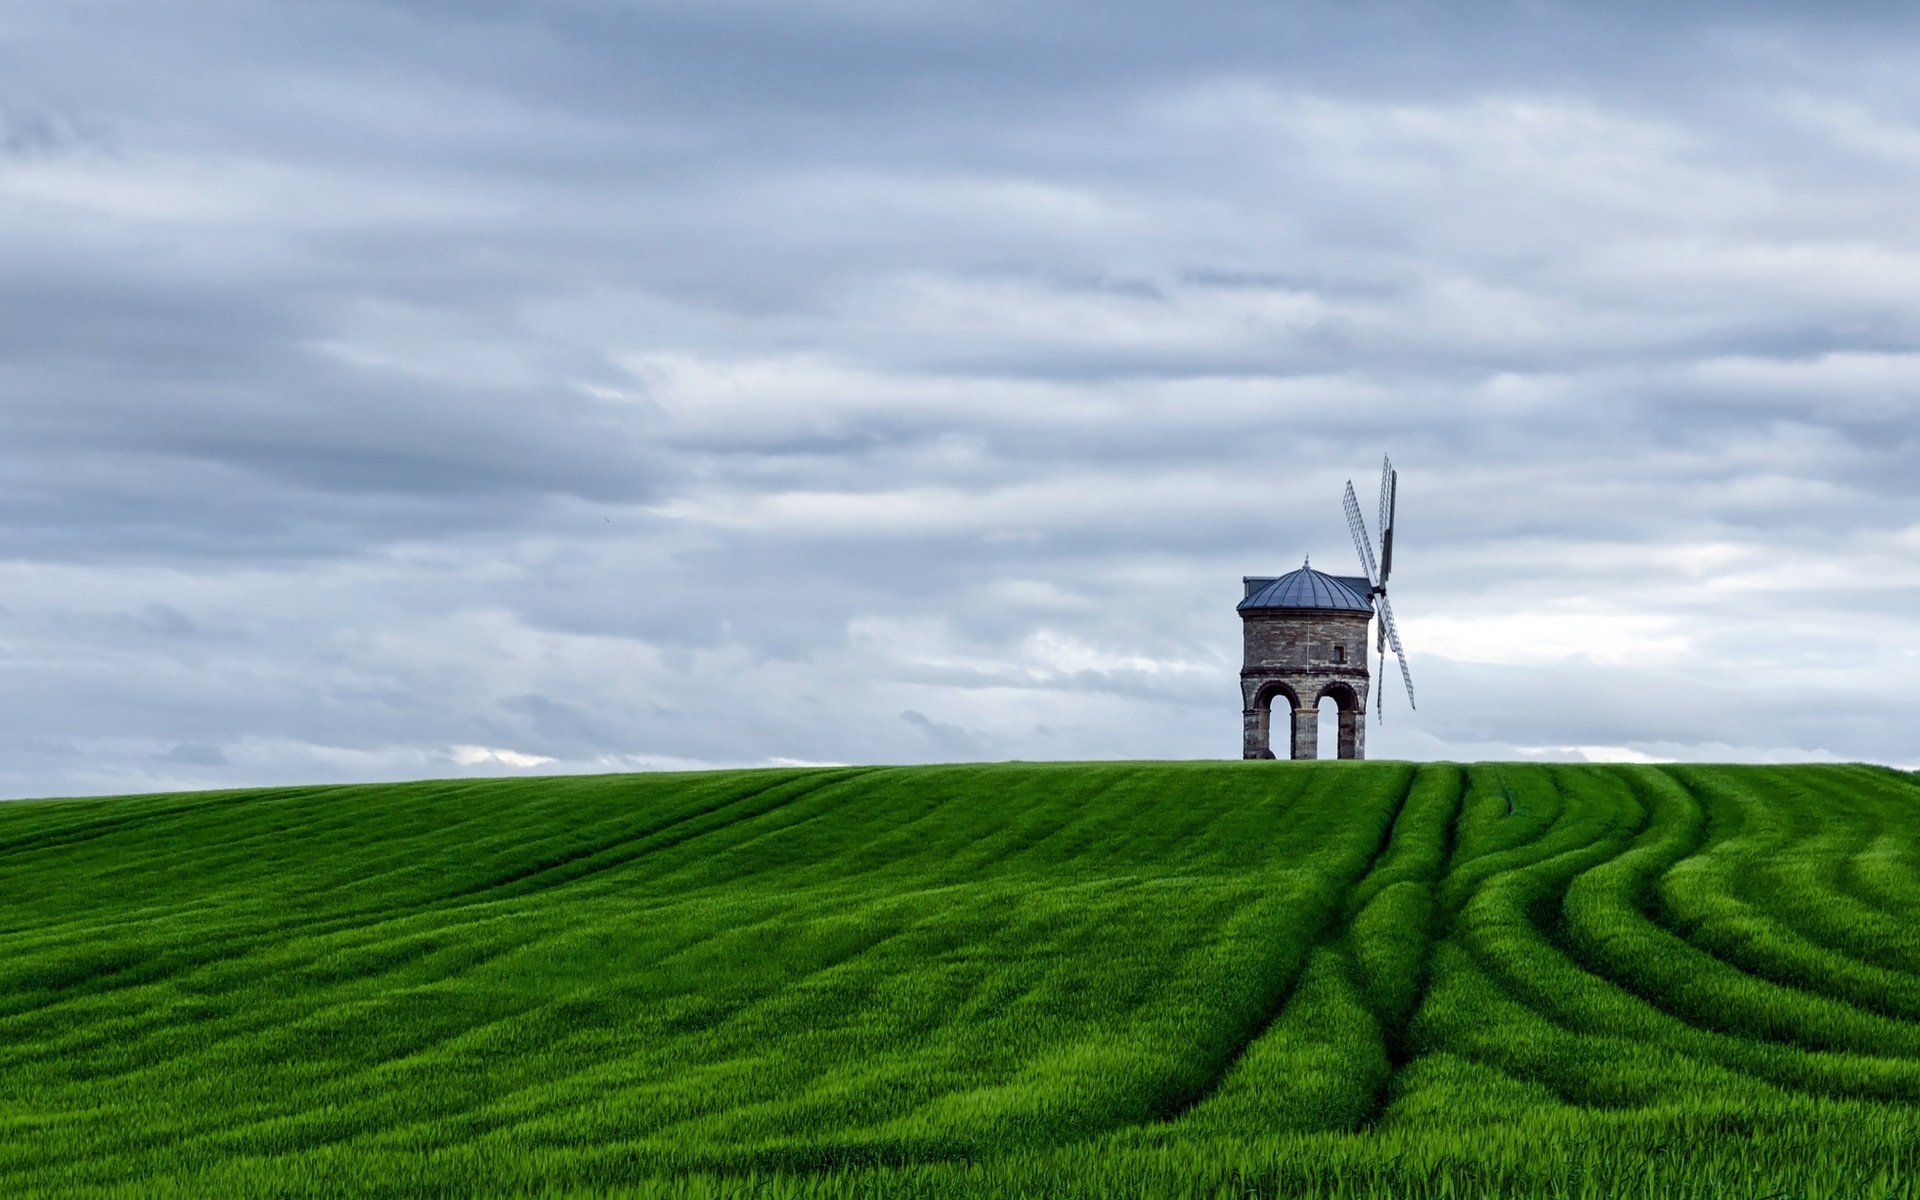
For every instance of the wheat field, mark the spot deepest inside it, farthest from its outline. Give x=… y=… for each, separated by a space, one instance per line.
x=1123 y=979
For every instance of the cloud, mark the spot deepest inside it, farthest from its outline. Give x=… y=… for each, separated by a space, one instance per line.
x=192 y=754
x=943 y=738
x=408 y=388
x=474 y=756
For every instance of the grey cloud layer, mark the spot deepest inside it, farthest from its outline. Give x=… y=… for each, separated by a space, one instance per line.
x=414 y=388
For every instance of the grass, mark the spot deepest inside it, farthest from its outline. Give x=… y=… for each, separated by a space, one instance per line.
x=1194 y=980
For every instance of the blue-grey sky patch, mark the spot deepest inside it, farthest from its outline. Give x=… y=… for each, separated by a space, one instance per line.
x=395 y=388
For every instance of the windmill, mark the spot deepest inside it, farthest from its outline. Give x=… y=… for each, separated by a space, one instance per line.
x=1305 y=639
x=1377 y=573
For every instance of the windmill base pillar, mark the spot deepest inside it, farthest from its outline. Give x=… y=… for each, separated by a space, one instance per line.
x=1255 y=726
x=1306 y=733
x=1353 y=734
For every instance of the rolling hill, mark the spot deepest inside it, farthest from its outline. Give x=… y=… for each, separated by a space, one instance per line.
x=1196 y=979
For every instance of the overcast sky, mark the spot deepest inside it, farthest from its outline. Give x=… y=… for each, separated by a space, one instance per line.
x=400 y=389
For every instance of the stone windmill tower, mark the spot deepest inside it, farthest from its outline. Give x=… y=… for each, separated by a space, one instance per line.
x=1305 y=634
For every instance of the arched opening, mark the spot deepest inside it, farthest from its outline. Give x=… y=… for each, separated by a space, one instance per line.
x=1265 y=727
x=1342 y=732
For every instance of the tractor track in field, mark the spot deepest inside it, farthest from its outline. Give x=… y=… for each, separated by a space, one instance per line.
x=474 y=1115
x=555 y=871
x=1803 y=809
x=1328 y=934
x=1762 y=927
x=144 y=970
x=88 y=831
x=1652 y=908
x=1543 y=918
x=1726 y=1051
x=1397 y=1028
x=1850 y=880
x=1802 y=1069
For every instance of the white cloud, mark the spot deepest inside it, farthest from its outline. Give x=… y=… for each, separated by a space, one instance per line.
x=1521 y=638
x=473 y=756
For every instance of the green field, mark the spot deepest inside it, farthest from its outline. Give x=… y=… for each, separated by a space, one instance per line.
x=1233 y=979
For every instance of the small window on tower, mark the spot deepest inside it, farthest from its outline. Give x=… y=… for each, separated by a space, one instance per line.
x=1339 y=654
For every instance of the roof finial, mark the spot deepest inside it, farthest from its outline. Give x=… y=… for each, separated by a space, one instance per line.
x=1306 y=564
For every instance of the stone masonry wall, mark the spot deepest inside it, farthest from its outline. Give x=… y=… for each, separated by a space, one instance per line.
x=1290 y=639
x=1304 y=651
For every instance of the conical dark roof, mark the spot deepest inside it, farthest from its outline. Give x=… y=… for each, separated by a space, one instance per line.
x=1308 y=588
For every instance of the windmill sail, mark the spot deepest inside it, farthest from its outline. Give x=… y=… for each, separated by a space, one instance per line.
x=1389 y=496
x=1378 y=571
x=1399 y=652
x=1386 y=519
x=1358 y=525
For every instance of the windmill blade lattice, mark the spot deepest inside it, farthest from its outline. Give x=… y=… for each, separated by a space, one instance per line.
x=1358 y=525
x=1399 y=652
x=1389 y=499
x=1378 y=571
x=1386 y=516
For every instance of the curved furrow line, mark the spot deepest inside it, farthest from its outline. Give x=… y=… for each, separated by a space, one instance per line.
x=890 y=851
x=583 y=840
x=1510 y=862
x=1319 y=946
x=1015 y=836
x=281 y=832
x=1698 y=900
x=71 y=827
x=1577 y=1000
x=221 y=952
x=370 y=956
x=405 y=853
x=1493 y=844
x=347 y=1110
x=340 y=1097
x=407 y=849
x=1884 y=874
x=1702 y=912
x=1233 y=829
x=1453 y=1091
x=306 y=969
x=1396 y=925
x=1319 y=1065
x=1546 y=973
x=273 y=854
x=391 y=843
x=207 y=1020
x=639 y=841
x=1422 y=839
x=589 y=1087
x=1495 y=834
x=1089 y=810
x=1829 y=829
x=97 y=969
x=1509 y=904
x=1574 y=829
x=663 y=957
x=1127 y=1087
x=1604 y=924
x=233 y=1119
x=868 y=840
x=1476 y=1014
x=1508 y=929
x=1183 y=832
